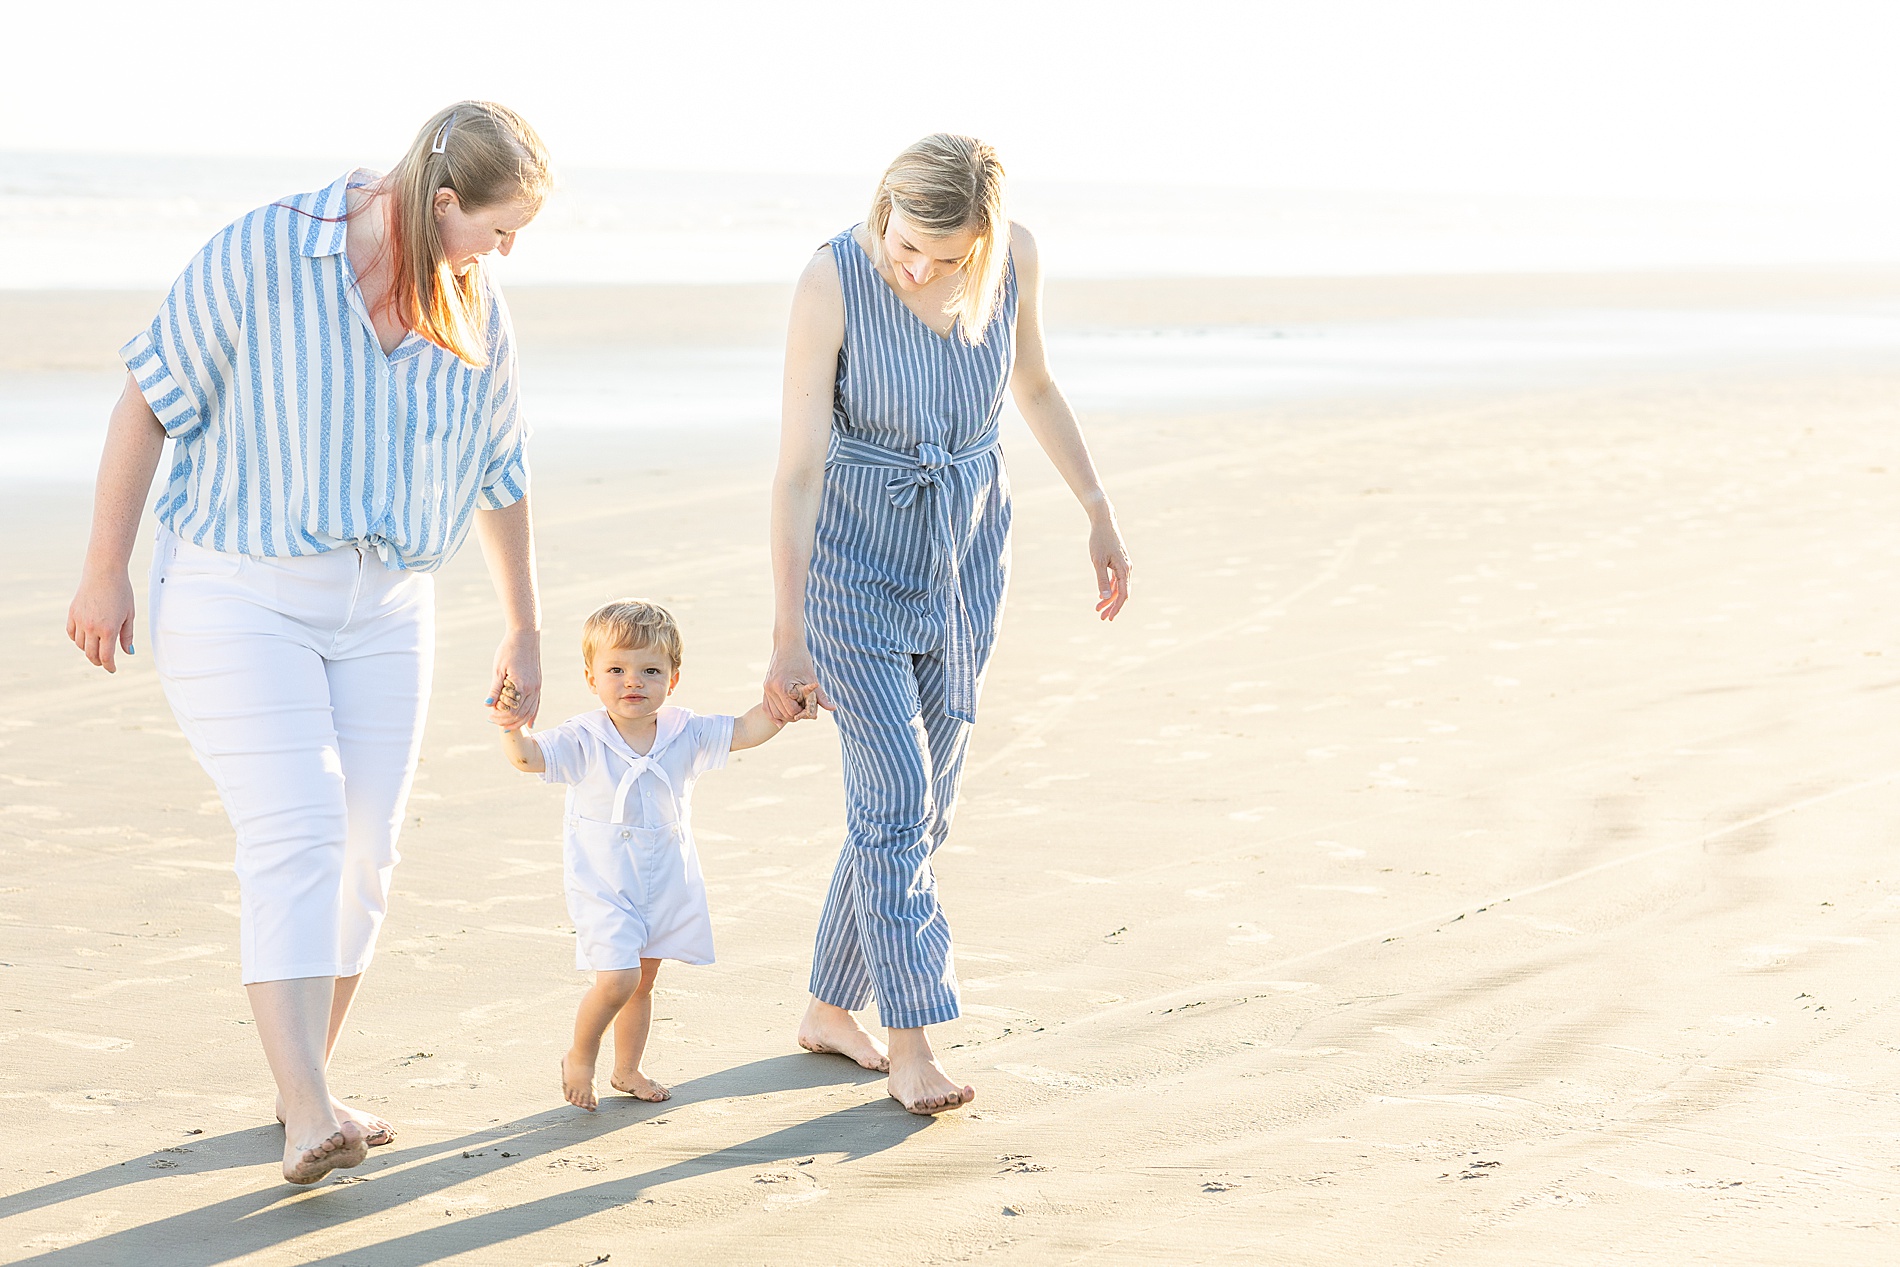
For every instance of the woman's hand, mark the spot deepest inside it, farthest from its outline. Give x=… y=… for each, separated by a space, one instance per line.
x=102 y=610
x=102 y=615
x=1112 y=567
x=515 y=695
x=791 y=686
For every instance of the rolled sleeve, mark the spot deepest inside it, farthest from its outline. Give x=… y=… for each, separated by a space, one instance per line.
x=505 y=473
x=182 y=361
x=505 y=478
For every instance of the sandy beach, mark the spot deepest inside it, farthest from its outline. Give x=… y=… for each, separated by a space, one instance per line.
x=1473 y=845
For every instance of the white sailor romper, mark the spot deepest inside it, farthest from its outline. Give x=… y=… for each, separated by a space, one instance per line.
x=634 y=888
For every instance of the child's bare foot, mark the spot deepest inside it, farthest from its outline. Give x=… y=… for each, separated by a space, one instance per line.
x=376 y=1132
x=833 y=1031
x=924 y=1088
x=578 y=1088
x=640 y=1087
x=343 y=1148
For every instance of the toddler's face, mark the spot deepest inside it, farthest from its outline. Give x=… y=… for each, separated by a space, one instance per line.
x=632 y=682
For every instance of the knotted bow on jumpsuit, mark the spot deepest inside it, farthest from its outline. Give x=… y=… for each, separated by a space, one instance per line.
x=909 y=565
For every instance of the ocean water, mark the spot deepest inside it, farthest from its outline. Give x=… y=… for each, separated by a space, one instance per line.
x=52 y=424
x=82 y=221
x=117 y=222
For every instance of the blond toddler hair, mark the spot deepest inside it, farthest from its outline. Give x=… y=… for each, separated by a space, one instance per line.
x=631 y=624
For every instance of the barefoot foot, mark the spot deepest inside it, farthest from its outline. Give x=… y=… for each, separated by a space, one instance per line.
x=578 y=1085
x=376 y=1132
x=343 y=1148
x=640 y=1087
x=922 y=1087
x=833 y=1031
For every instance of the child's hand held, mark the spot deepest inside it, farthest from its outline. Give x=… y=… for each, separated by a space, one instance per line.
x=502 y=705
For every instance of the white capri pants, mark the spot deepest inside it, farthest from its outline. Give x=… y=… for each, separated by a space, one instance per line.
x=302 y=684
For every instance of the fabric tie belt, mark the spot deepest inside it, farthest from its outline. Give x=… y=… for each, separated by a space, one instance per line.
x=924 y=468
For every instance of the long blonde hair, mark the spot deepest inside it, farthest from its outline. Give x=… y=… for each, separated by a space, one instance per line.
x=942 y=184
x=488 y=155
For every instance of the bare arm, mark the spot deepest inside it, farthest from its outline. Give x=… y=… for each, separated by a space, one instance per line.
x=811 y=365
x=1054 y=425
x=755 y=727
x=103 y=610
x=507 y=540
x=522 y=751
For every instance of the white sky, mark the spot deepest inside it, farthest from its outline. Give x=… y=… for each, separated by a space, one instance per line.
x=1747 y=99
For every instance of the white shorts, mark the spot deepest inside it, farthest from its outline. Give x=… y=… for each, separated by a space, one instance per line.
x=635 y=893
x=302 y=684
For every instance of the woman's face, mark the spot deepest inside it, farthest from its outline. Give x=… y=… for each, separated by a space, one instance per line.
x=918 y=258
x=468 y=234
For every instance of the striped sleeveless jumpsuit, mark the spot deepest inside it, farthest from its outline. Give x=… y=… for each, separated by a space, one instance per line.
x=908 y=570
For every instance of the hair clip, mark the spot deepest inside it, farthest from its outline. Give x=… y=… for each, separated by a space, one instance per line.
x=442 y=136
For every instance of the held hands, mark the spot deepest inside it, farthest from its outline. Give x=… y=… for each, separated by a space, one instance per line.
x=503 y=704
x=515 y=697
x=792 y=692
x=101 y=616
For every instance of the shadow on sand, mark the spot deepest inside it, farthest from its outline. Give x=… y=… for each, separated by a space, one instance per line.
x=256 y=1221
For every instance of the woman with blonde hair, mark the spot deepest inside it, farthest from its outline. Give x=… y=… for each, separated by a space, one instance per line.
x=336 y=372
x=890 y=553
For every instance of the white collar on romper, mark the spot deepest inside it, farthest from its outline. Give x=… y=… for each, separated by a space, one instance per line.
x=671 y=722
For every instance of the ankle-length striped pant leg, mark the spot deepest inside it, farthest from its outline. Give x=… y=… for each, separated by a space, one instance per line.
x=883 y=930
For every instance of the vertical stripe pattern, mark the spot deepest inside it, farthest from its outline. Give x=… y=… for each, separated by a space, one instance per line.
x=293 y=433
x=910 y=562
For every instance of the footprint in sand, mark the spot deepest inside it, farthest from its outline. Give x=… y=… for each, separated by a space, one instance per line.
x=1769 y=956
x=1053 y=1078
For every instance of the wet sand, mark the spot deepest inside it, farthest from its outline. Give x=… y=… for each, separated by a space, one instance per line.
x=1474 y=845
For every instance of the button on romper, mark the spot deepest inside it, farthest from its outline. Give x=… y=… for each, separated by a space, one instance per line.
x=909 y=566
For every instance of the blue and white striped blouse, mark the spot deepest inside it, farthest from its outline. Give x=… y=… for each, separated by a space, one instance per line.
x=293 y=432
